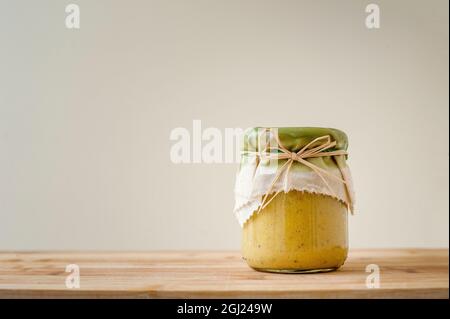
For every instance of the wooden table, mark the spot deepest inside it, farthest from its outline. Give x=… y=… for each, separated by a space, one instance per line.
x=410 y=273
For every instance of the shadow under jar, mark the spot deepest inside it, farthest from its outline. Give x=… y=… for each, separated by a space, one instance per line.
x=298 y=231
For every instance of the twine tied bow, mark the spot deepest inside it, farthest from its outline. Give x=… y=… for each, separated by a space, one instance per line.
x=316 y=148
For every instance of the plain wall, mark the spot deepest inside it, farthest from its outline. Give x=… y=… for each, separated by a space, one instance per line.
x=85 y=115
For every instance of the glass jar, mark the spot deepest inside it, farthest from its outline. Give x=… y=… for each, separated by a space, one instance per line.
x=305 y=228
x=297 y=232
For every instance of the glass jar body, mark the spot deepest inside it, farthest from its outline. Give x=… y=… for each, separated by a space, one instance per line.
x=297 y=232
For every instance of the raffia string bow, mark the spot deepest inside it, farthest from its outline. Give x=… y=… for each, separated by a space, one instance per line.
x=316 y=148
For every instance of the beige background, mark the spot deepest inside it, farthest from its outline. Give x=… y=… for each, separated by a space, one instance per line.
x=85 y=115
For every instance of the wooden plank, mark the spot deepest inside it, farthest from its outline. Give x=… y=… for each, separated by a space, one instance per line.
x=405 y=273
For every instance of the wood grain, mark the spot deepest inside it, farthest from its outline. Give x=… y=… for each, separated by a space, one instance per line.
x=405 y=273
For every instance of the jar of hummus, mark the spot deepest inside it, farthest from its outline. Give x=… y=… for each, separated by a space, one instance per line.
x=293 y=193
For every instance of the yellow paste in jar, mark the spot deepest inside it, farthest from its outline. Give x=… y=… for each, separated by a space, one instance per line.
x=297 y=231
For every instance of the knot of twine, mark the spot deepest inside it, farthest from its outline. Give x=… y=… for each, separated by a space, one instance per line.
x=316 y=148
